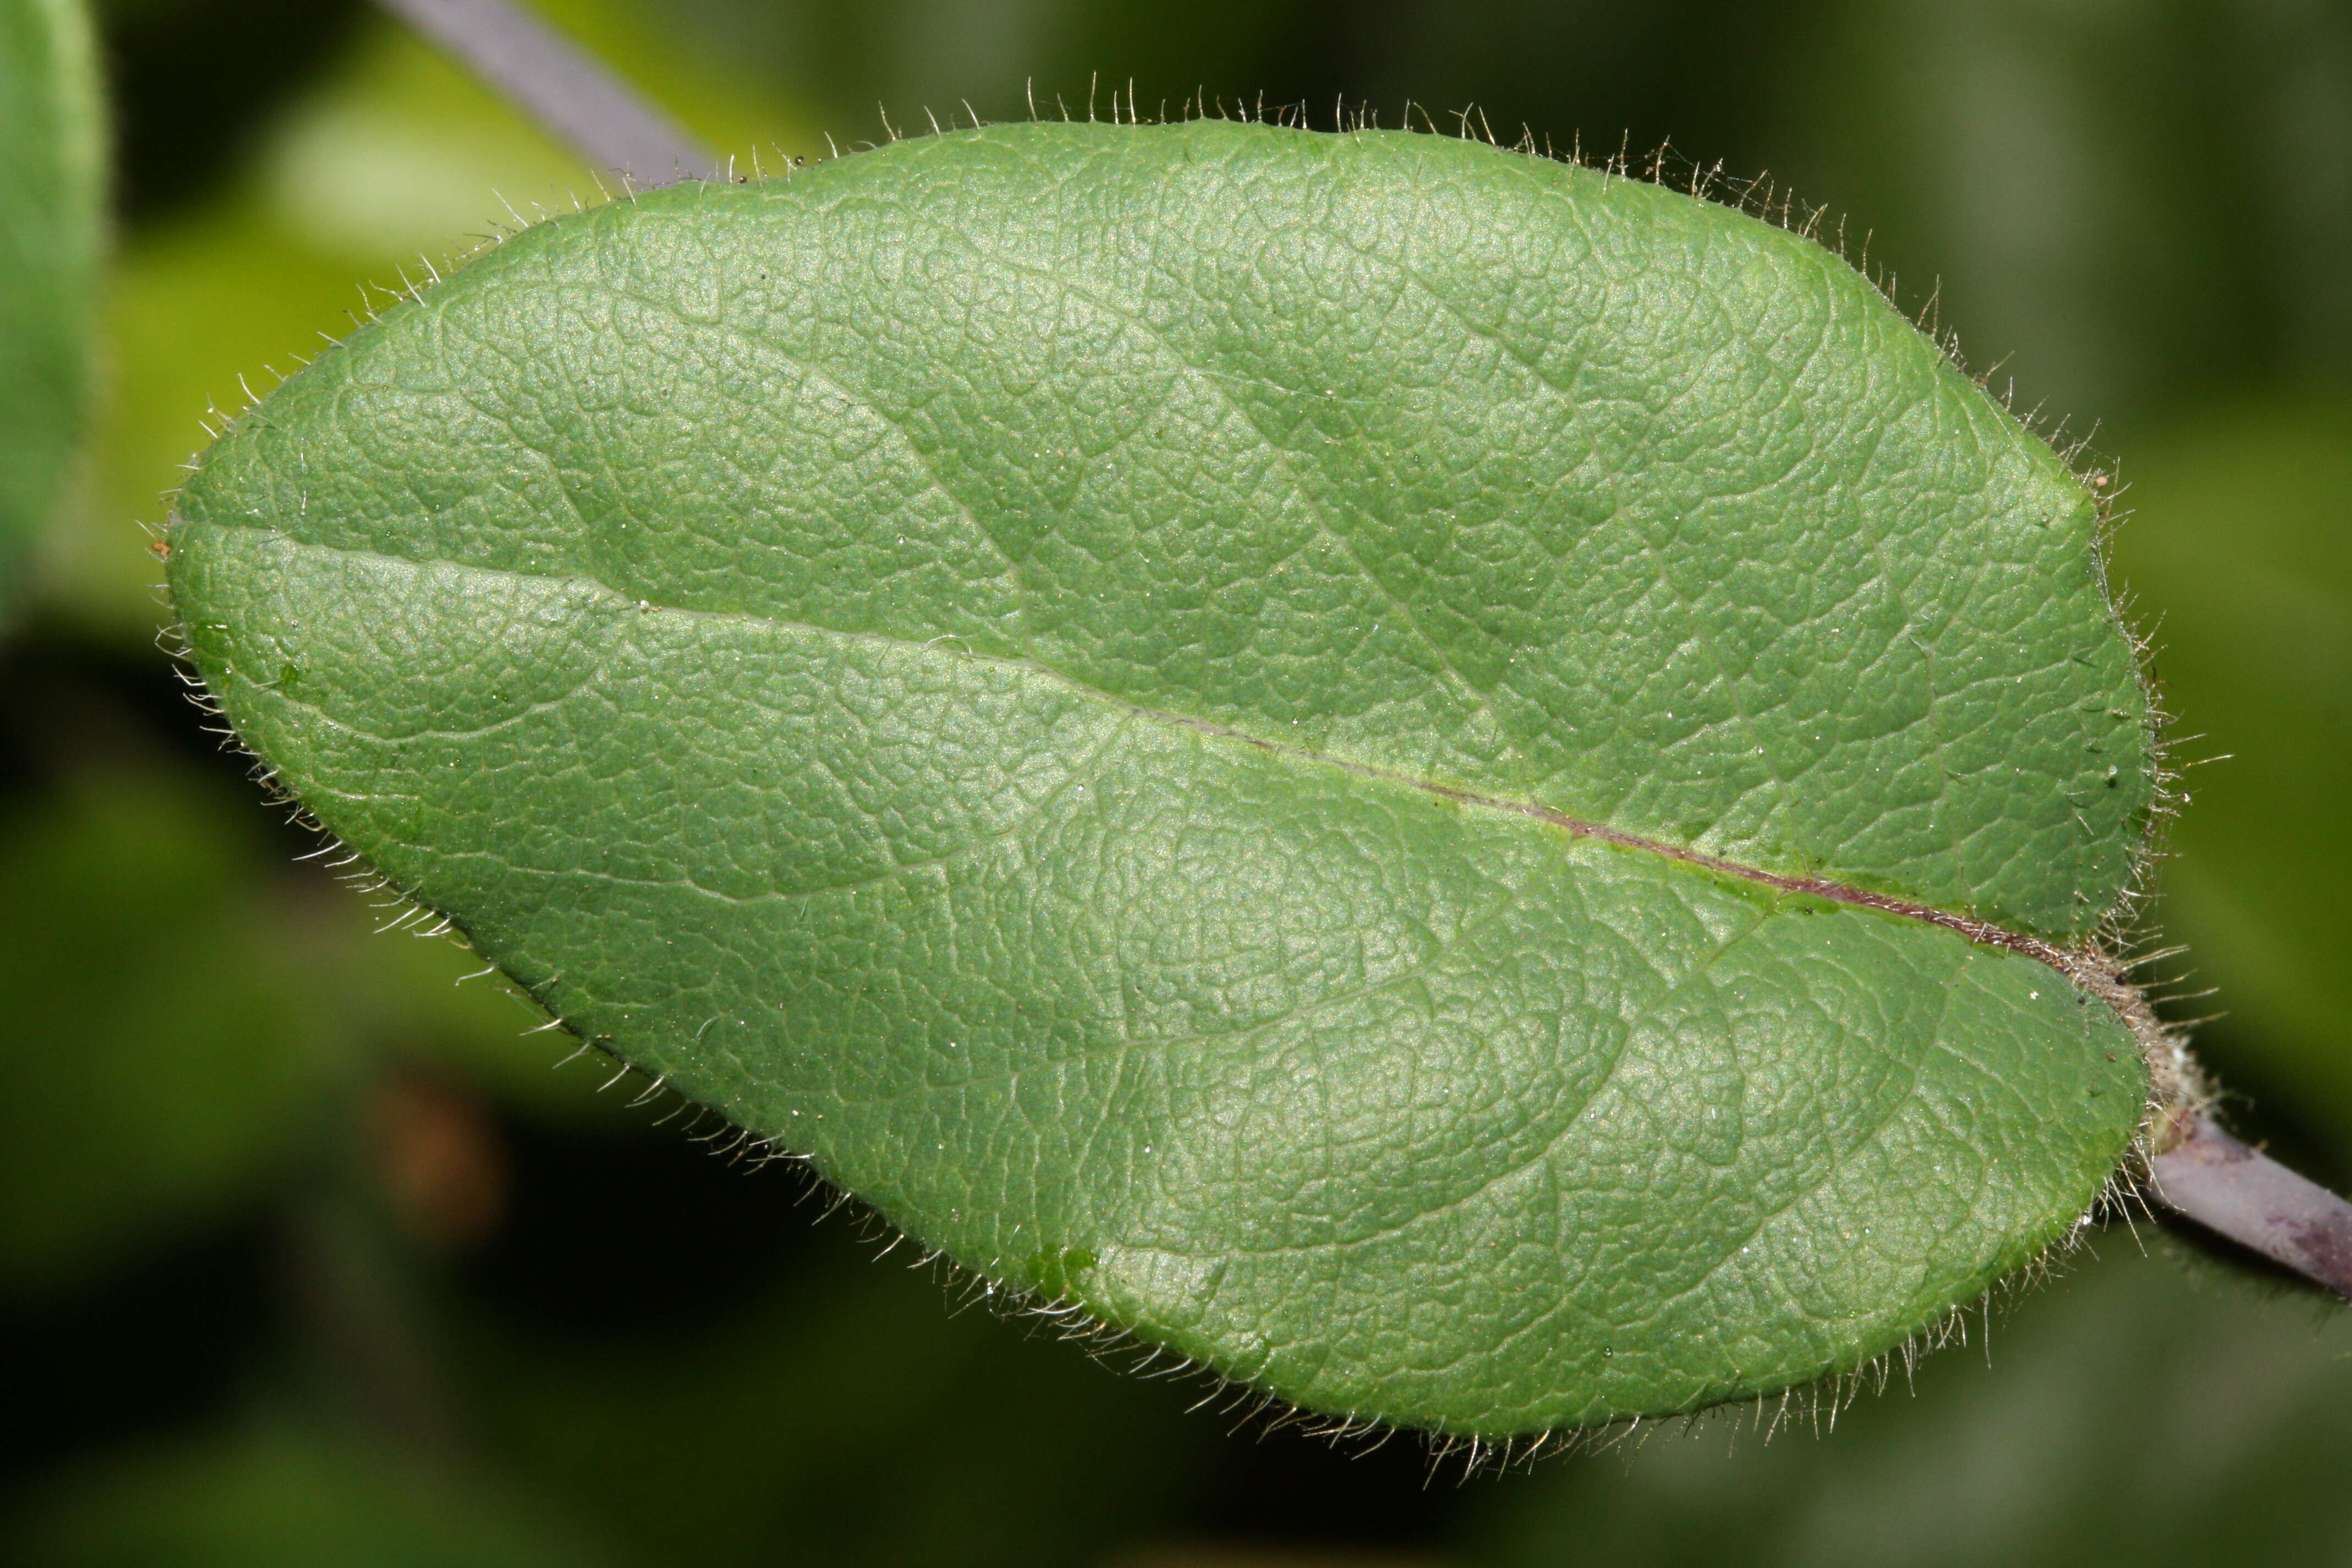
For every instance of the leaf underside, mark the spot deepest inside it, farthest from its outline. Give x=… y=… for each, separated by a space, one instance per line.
x=1230 y=725
x=49 y=218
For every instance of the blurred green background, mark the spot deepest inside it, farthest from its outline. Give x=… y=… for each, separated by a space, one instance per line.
x=311 y=1254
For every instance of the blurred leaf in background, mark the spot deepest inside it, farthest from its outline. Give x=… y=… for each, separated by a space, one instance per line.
x=51 y=198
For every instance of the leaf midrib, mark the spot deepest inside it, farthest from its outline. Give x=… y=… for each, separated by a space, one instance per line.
x=2069 y=962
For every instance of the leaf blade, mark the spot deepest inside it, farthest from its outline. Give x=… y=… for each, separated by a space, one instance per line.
x=1058 y=942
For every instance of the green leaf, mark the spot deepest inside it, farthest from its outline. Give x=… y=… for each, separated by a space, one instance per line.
x=1368 y=758
x=50 y=164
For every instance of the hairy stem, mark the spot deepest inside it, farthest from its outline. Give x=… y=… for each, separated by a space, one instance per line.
x=2240 y=1192
x=563 y=87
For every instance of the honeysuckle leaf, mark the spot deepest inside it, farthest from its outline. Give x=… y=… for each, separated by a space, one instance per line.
x=1469 y=791
x=50 y=184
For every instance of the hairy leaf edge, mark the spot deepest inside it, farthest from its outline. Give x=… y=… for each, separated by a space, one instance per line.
x=2101 y=966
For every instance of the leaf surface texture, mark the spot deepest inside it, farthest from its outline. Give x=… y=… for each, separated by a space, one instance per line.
x=1273 y=735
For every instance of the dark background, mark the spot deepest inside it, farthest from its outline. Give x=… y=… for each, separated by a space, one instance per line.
x=309 y=1254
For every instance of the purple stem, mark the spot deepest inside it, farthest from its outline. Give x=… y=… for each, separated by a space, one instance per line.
x=563 y=87
x=2240 y=1192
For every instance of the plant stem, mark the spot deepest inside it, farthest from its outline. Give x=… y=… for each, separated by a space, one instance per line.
x=563 y=87
x=2240 y=1192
